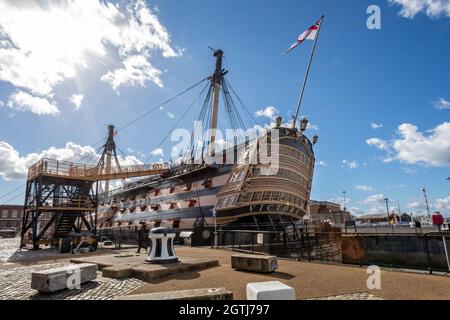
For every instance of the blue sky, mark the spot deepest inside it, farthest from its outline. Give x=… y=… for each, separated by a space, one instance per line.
x=396 y=77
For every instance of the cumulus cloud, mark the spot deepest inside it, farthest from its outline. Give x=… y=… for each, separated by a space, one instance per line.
x=432 y=8
x=269 y=112
x=43 y=44
x=363 y=188
x=321 y=163
x=22 y=101
x=415 y=147
x=376 y=125
x=375 y=198
x=311 y=126
x=375 y=204
x=135 y=72
x=76 y=100
x=350 y=164
x=378 y=143
x=158 y=152
x=441 y=104
x=443 y=204
x=13 y=166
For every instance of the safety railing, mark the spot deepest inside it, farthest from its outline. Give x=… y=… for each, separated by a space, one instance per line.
x=54 y=167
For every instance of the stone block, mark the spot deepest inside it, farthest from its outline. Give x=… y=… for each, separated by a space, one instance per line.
x=192 y=294
x=120 y=271
x=271 y=290
x=255 y=263
x=56 y=279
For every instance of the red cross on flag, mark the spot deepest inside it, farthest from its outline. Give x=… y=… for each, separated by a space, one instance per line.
x=309 y=34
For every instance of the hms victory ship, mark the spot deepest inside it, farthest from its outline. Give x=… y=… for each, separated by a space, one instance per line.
x=196 y=195
x=202 y=190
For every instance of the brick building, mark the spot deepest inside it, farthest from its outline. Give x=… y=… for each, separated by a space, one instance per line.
x=11 y=217
x=321 y=211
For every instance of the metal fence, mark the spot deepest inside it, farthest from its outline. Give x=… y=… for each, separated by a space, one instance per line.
x=302 y=246
x=424 y=251
x=119 y=236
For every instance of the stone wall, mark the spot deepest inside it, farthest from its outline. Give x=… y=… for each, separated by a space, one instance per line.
x=407 y=251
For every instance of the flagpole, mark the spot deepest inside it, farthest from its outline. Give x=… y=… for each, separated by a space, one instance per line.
x=294 y=124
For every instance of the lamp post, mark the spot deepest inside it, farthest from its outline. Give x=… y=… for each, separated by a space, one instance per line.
x=387 y=212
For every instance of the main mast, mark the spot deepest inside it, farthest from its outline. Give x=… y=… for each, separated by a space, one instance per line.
x=216 y=80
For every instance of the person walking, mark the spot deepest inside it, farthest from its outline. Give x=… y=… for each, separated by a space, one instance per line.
x=142 y=238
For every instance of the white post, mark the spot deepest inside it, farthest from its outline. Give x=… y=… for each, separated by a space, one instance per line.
x=446 y=252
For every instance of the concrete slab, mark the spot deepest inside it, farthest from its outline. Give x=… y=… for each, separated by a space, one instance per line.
x=255 y=263
x=119 y=267
x=192 y=294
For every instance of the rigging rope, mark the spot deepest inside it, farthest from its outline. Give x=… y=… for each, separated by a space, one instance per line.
x=178 y=121
x=161 y=105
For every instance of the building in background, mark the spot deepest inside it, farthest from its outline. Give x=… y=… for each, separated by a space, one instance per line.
x=325 y=211
x=382 y=218
x=11 y=217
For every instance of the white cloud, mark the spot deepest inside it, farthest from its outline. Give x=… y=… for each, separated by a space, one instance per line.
x=443 y=204
x=311 y=126
x=322 y=163
x=350 y=164
x=432 y=8
x=13 y=166
x=408 y=170
x=378 y=143
x=136 y=71
x=374 y=199
x=158 y=152
x=1 y=103
x=170 y=115
x=269 y=112
x=356 y=211
x=23 y=101
x=43 y=44
x=376 y=125
x=76 y=100
x=415 y=147
x=416 y=205
x=441 y=104
x=375 y=204
x=363 y=188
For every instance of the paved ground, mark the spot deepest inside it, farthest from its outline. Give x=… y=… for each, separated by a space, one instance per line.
x=15 y=285
x=8 y=247
x=16 y=268
x=311 y=280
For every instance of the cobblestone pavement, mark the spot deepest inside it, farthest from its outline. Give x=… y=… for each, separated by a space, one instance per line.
x=351 y=296
x=8 y=247
x=15 y=285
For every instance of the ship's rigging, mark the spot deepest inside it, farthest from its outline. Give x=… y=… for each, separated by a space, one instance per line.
x=69 y=191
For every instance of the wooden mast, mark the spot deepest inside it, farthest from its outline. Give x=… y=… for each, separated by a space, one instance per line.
x=217 y=78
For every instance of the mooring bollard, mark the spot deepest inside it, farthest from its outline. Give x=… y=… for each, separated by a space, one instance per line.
x=162 y=250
